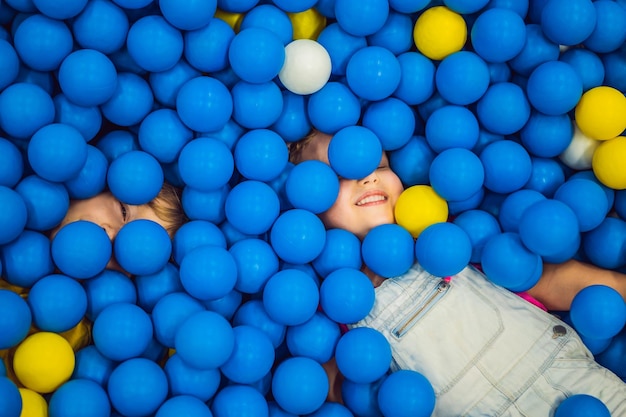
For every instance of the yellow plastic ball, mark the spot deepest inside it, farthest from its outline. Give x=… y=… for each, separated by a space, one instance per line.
x=33 y=404
x=601 y=113
x=307 y=24
x=43 y=361
x=608 y=163
x=233 y=19
x=418 y=207
x=439 y=32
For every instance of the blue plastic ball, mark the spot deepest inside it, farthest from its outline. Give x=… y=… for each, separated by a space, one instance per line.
x=92 y=365
x=42 y=42
x=208 y=272
x=568 y=22
x=498 y=35
x=60 y=10
x=24 y=109
x=186 y=405
x=537 y=50
x=270 y=17
x=206 y=164
x=239 y=400
x=88 y=77
x=290 y=297
x=170 y=312
x=609 y=33
x=101 y=25
x=187 y=380
x=15 y=320
x=587 y=64
x=11 y=164
x=354 y=152
x=406 y=393
x=312 y=185
x=131 y=101
x=79 y=396
x=154 y=44
x=548 y=226
x=507 y=166
x=166 y=84
x=10 y=398
x=300 y=385
x=151 y=288
x=396 y=35
x=81 y=249
x=205 y=340
x=363 y=355
x=122 y=331
x=580 y=405
x=252 y=356
x=315 y=339
x=163 y=135
x=206 y=49
x=341 y=250
x=503 y=119
x=131 y=5
x=137 y=387
x=201 y=96
x=332 y=409
x=362 y=399
x=417 y=81
x=360 y=19
x=340 y=45
x=256 y=105
x=546 y=176
x=333 y=107
x=256 y=55
x=252 y=207
x=57 y=152
x=205 y=205
x=412 y=162
x=252 y=313
x=298 y=236
x=451 y=126
x=135 y=177
x=443 y=249
x=227 y=305
x=479 y=226
x=392 y=120
x=256 y=262
x=347 y=295
x=142 y=247
x=14 y=215
x=373 y=73
x=107 y=288
x=10 y=64
x=388 y=250
x=293 y=123
x=456 y=174
x=546 y=135
x=188 y=15
x=26 y=258
x=260 y=154
x=466 y=86
x=194 y=234
x=88 y=120
x=508 y=263
x=57 y=302
x=514 y=205
x=587 y=199
x=554 y=88
x=598 y=312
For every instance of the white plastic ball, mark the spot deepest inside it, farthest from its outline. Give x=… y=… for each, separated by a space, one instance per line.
x=307 y=67
x=579 y=153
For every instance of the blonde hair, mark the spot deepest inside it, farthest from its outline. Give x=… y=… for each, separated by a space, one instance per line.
x=168 y=207
x=296 y=148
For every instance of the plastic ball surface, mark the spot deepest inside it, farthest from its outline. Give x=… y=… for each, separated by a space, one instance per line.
x=14 y=216
x=208 y=272
x=587 y=199
x=363 y=355
x=554 y=88
x=241 y=400
x=188 y=15
x=162 y=134
x=142 y=247
x=558 y=128
x=260 y=154
x=498 y=34
x=15 y=319
x=200 y=96
x=33 y=403
x=373 y=73
x=418 y=207
x=507 y=166
x=605 y=163
x=187 y=380
x=600 y=113
x=297 y=236
x=307 y=67
x=354 y=152
x=135 y=177
x=598 y=312
x=256 y=55
x=479 y=225
x=252 y=357
x=342 y=249
x=256 y=262
x=346 y=295
x=101 y=26
x=439 y=32
x=42 y=42
x=361 y=19
x=183 y=405
x=170 y=312
x=312 y=185
x=462 y=87
x=137 y=387
x=154 y=44
x=580 y=405
x=57 y=152
x=122 y=331
x=300 y=385
x=252 y=207
x=315 y=339
x=88 y=77
x=131 y=102
x=499 y=119
x=387 y=249
x=456 y=174
x=568 y=22
x=205 y=340
x=108 y=287
x=10 y=398
x=57 y=303
x=92 y=365
x=443 y=249
x=392 y=120
x=252 y=313
x=80 y=396
x=406 y=393
x=290 y=297
x=81 y=249
x=43 y=361
x=11 y=164
x=206 y=164
x=24 y=109
x=452 y=126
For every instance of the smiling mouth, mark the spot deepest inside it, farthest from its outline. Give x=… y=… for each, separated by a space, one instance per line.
x=371 y=200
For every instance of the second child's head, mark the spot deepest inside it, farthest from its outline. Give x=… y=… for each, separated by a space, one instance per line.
x=361 y=204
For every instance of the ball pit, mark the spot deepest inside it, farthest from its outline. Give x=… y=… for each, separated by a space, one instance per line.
x=504 y=120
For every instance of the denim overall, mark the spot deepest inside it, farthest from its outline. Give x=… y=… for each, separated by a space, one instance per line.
x=485 y=350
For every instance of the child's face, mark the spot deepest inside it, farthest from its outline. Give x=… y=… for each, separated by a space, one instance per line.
x=361 y=204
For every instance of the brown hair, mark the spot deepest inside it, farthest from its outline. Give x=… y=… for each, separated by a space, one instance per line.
x=296 y=148
x=168 y=207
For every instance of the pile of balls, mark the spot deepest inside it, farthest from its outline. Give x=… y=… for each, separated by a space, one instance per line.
x=502 y=118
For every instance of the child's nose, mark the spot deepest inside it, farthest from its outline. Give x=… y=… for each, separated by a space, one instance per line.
x=371 y=178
